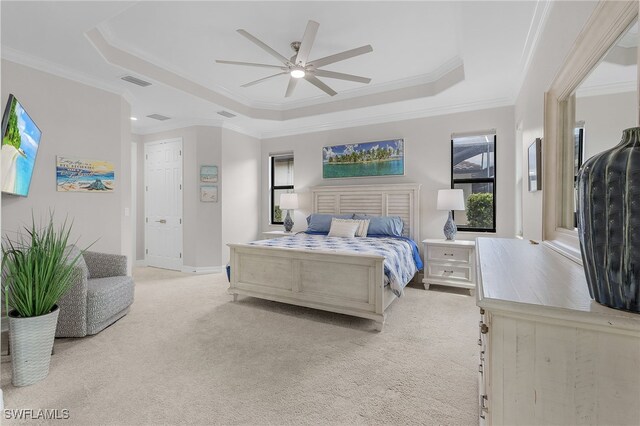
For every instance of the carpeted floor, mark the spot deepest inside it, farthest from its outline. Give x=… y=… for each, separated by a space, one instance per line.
x=186 y=354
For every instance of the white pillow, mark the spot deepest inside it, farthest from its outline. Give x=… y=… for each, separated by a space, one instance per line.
x=363 y=227
x=343 y=228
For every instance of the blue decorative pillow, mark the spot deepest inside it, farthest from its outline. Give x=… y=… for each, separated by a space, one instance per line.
x=383 y=225
x=319 y=222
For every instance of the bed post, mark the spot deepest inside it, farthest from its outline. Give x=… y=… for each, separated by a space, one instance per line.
x=379 y=296
x=380 y=323
x=234 y=270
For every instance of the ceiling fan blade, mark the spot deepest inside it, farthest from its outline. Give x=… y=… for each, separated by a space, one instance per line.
x=291 y=87
x=306 y=43
x=262 y=79
x=340 y=56
x=320 y=85
x=340 y=76
x=251 y=64
x=265 y=47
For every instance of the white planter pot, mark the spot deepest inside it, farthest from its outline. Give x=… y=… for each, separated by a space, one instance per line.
x=31 y=343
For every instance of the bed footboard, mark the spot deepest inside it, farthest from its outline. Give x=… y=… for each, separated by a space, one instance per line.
x=351 y=284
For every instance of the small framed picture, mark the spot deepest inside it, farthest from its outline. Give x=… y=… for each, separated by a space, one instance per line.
x=209 y=193
x=535 y=165
x=209 y=174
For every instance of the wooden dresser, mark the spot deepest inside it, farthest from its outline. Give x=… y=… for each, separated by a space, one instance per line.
x=548 y=353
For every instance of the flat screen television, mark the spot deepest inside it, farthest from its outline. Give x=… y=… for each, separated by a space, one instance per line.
x=20 y=142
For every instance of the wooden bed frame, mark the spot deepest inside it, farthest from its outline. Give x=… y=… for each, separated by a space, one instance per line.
x=345 y=283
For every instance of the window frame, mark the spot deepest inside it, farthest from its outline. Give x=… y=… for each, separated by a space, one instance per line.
x=493 y=180
x=273 y=188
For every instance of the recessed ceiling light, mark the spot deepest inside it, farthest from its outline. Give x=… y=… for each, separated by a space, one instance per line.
x=134 y=119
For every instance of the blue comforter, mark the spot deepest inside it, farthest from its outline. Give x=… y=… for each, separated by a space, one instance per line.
x=401 y=257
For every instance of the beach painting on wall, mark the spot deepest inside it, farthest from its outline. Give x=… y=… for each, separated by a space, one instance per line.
x=381 y=158
x=209 y=174
x=209 y=193
x=80 y=175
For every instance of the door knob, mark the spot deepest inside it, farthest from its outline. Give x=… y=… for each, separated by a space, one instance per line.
x=161 y=221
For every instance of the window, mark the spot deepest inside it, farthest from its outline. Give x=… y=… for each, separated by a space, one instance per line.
x=473 y=169
x=281 y=183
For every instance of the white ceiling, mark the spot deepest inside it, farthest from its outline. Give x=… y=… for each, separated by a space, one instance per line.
x=416 y=45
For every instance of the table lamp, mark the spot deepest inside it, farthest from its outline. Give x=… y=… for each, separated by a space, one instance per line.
x=450 y=199
x=288 y=202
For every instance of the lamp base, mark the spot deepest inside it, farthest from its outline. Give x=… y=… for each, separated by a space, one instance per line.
x=450 y=229
x=288 y=223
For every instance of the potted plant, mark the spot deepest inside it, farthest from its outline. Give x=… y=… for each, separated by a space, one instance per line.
x=37 y=270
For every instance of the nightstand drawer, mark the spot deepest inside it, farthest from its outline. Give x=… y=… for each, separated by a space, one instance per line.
x=449 y=254
x=448 y=272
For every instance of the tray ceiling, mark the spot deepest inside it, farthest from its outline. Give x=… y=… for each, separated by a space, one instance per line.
x=427 y=56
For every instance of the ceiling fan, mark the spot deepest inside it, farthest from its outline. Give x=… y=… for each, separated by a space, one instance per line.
x=299 y=67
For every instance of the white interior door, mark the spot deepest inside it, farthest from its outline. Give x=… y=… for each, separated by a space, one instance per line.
x=163 y=204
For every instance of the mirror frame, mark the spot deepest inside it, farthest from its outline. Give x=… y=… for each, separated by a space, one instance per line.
x=605 y=25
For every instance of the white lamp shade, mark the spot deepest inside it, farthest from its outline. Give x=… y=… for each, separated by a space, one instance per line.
x=450 y=199
x=288 y=201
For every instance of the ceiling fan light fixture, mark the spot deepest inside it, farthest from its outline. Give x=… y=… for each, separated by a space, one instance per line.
x=299 y=67
x=297 y=72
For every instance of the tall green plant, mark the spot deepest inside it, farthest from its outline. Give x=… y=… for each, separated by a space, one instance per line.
x=37 y=268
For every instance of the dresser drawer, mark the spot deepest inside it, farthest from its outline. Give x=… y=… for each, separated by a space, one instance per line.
x=449 y=254
x=448 y=272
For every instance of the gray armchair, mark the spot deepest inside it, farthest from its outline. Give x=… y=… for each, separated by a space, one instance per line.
x=101 y=294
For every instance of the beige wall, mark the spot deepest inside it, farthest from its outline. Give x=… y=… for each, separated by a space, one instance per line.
x=208 y=227
x=241 y=190
x=564 y=23
x=76 y=121
x=427 y=161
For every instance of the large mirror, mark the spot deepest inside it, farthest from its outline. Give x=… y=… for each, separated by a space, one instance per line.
x=593 y=98
x=597 y=111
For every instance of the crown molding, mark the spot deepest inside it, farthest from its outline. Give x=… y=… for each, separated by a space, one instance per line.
x=387 y=118
x=441 y=72
x=418 y=80
x=327 y=126
x=240 y=129
x=22 y=58
x=607 y=89
x=451 y=73
x=118 y=43
x=176 y=124
x=538 y=24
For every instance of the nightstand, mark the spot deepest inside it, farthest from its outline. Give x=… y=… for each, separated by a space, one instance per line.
x=450 y=263
x=276 y=234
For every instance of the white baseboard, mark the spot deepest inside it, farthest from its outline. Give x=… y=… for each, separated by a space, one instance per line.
x=202 y=269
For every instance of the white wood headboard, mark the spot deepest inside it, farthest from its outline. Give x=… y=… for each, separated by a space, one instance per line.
x=398 y=199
